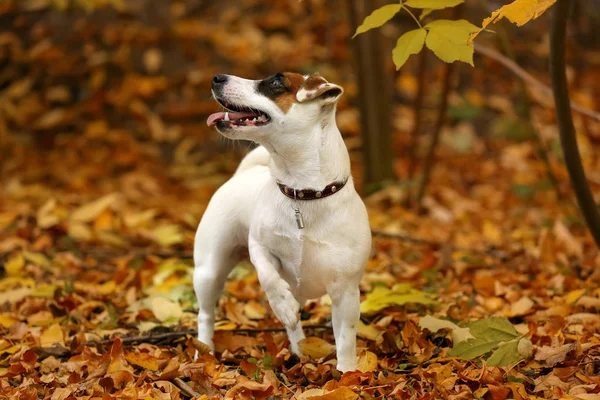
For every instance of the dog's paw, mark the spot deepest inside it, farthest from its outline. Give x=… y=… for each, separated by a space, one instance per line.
x=347 y=365
x=286 y=308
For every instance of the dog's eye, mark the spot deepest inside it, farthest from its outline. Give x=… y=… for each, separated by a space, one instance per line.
x=276 y=83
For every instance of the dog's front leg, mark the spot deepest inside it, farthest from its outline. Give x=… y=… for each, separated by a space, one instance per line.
x=345 y=310
x=282 y=301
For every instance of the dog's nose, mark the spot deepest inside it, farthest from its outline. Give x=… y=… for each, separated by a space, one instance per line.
x=219 y=79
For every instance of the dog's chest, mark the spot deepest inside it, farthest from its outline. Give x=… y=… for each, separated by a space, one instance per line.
x=307 y=255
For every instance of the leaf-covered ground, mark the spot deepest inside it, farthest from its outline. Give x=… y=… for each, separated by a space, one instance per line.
x=106 y=167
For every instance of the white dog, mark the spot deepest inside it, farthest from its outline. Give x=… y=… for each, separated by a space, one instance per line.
x=291 y=203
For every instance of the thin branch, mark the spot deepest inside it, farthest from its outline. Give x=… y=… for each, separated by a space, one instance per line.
x=527 y=77
x=417 y=111
x=185 y=388
x=160 y=337
x=430 y=156
x=412 y=15
x=564 y=118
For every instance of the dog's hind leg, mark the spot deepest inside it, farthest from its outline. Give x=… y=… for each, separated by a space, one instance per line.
x=345 y=310
x=210 y=273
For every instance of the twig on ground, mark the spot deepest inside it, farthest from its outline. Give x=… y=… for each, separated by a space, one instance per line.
x=185 y=388
x=495 y=253
x=527 y=77
x=160 y=337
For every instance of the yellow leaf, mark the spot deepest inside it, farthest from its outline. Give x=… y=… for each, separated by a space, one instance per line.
x=51 y=336
x=139 y=219
x=14 y=265
x=367 y=362
x=164 y=309
x=518 y=12
x=14 y=295
x=13 y=281
x=44 y=290
x=167 y=235
x=448 y=40
x=341 y=393
x=315 y=347
x=254 y=310
x=574 y=295
x=45 y=215
x=88 y=212
x=492 y=232
x=400 y=294
x=369 y=332
x=107 y=287
x=143 y=360
x=409 y=43
x=378 y=18
x=36 y=258
x=432 y=4
x=79 y=231
x=225 y=326
x=6 y=320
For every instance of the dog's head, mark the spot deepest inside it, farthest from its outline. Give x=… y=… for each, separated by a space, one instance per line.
x=285 y=102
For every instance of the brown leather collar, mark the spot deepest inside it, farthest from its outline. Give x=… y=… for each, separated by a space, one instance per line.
x=309 y=194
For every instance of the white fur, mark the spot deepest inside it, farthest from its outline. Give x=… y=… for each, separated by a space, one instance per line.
x=302 y=148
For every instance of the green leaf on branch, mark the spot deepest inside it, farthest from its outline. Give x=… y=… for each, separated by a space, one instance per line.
x=378 y=18
x=448 y=40
x=410 y=43
x=433 y=4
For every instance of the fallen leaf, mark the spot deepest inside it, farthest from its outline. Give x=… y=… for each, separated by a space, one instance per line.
x=14 y=265
x=165 y=310
x=552 y=355
x=315 y=347
x=90 y=211
x=51 y=336
x=367 y=362
x=433 y=324
x=341 y=393
x=398 y=295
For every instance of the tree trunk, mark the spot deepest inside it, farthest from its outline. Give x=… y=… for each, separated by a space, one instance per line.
x=374 y=94
x=568 y=138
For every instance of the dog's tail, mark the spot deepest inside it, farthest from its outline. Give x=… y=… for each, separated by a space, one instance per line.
x=258 y=156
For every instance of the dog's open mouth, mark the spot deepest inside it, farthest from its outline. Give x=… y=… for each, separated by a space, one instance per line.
x=236 y=116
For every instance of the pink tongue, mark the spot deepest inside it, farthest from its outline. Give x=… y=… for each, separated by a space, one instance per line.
x=214 y=118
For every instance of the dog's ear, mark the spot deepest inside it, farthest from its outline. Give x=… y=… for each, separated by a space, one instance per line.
x=316 y=87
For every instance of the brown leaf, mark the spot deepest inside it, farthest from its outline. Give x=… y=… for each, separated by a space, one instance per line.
x=341 y=393
x=315 y=347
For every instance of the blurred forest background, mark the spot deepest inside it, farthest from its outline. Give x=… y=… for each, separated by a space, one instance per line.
x=106 y=166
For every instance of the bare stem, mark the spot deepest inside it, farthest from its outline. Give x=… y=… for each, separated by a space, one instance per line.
x=564 y=118
x=412 y=15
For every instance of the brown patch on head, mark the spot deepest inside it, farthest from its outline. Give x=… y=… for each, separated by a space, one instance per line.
x=282 y=89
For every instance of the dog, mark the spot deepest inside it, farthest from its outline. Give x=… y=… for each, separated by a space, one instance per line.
x=291 y=203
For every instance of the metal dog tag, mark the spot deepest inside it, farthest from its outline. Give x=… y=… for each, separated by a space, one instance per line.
x=299 y=219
